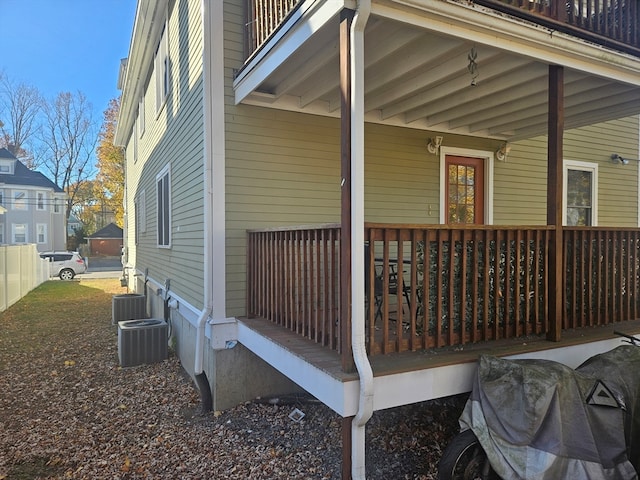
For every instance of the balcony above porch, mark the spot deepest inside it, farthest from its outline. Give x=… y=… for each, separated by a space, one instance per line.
x=612 y=23
x=470 y=68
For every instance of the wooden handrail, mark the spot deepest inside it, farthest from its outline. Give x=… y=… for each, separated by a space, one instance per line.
x=430 y=286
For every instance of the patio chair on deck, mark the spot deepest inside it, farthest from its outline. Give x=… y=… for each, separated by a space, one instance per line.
x=394 y=280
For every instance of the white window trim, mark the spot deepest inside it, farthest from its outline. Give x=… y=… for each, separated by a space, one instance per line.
x=162 y=65
x=585 y=167
x=141 y=212
x=24 y=200
x=141 y=118
x=134 y=138
x=57 y=204
x=488 y=158
x=165 y=172
x=13 y=233
x=44 y=233
x=44 y=201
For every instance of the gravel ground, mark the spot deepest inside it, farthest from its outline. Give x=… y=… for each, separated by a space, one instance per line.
x=67 y=410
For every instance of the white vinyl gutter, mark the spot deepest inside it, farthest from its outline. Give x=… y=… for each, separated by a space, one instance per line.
x=365 y=402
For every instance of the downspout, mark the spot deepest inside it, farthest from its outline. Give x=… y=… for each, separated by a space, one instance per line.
x=201 y=323
x=365 y=402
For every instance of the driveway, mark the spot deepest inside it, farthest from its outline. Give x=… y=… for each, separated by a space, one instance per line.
x=102 y=267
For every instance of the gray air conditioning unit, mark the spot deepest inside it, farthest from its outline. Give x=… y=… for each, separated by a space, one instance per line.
x=142 y=341
x=128 y=306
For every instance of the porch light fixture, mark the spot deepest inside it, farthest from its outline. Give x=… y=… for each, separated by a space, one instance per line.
x=503 y=152
x=615 y=158
x=434 y=144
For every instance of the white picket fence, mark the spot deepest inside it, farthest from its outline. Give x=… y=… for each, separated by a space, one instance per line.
x=21 y=270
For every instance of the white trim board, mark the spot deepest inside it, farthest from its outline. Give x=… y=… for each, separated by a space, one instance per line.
x=397 y=389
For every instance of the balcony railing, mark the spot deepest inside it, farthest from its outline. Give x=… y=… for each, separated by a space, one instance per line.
x=455 y=285
x=434 y=286
x=602 y=281
x=293 y=278
x=615 y=23
x=263 y=18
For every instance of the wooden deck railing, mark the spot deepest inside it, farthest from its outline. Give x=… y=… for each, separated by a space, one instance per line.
x=457 y=285
x=293 y=277
x=602 y=283
x=436 y=286
x=615 y=23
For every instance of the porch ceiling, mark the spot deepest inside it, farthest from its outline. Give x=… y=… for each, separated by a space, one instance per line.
x=419 y=78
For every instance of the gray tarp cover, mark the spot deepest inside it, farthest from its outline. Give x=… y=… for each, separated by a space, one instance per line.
x=536 y=418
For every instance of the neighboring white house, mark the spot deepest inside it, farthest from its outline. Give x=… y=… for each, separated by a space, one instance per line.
x=282 y=158
x=72 y=225
x=33 y=206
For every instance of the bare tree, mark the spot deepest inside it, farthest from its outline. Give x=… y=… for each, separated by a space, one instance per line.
x=20 y=107
x=69 y=139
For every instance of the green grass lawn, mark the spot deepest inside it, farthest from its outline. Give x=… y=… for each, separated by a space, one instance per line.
x=53 y=311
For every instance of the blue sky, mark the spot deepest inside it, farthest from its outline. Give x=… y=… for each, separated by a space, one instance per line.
x=66 y=45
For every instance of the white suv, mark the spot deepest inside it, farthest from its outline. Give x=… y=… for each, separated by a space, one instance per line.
x=65 y=265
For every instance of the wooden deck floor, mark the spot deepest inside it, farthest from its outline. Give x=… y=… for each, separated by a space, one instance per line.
x=329 y=360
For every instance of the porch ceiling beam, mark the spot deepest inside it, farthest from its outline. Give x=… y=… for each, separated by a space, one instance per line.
x=484 y=113
x=316 y=55
x=477 y=24
x=615 y=99
x=487 y=94
x=414 y=59
x=506 y=117
x=441 y=68
x=381 y=46
x=314 y=63
x=321 y=83
x=577 y=121
x=492 y=67
x=326 y=84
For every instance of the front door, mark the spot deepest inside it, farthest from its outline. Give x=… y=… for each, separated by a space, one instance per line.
x=464 y=190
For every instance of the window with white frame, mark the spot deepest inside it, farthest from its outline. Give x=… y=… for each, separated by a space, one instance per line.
x=20 y=200
x=56 y=205
x=40 y=201
x=18 y=233
x=41 y=233
x=140 y=215
x=161 y=65
x=135 y=147
x=580 y=193
x=141 y=117
x=1 y=233
x=163 y=195
x=141 y=212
